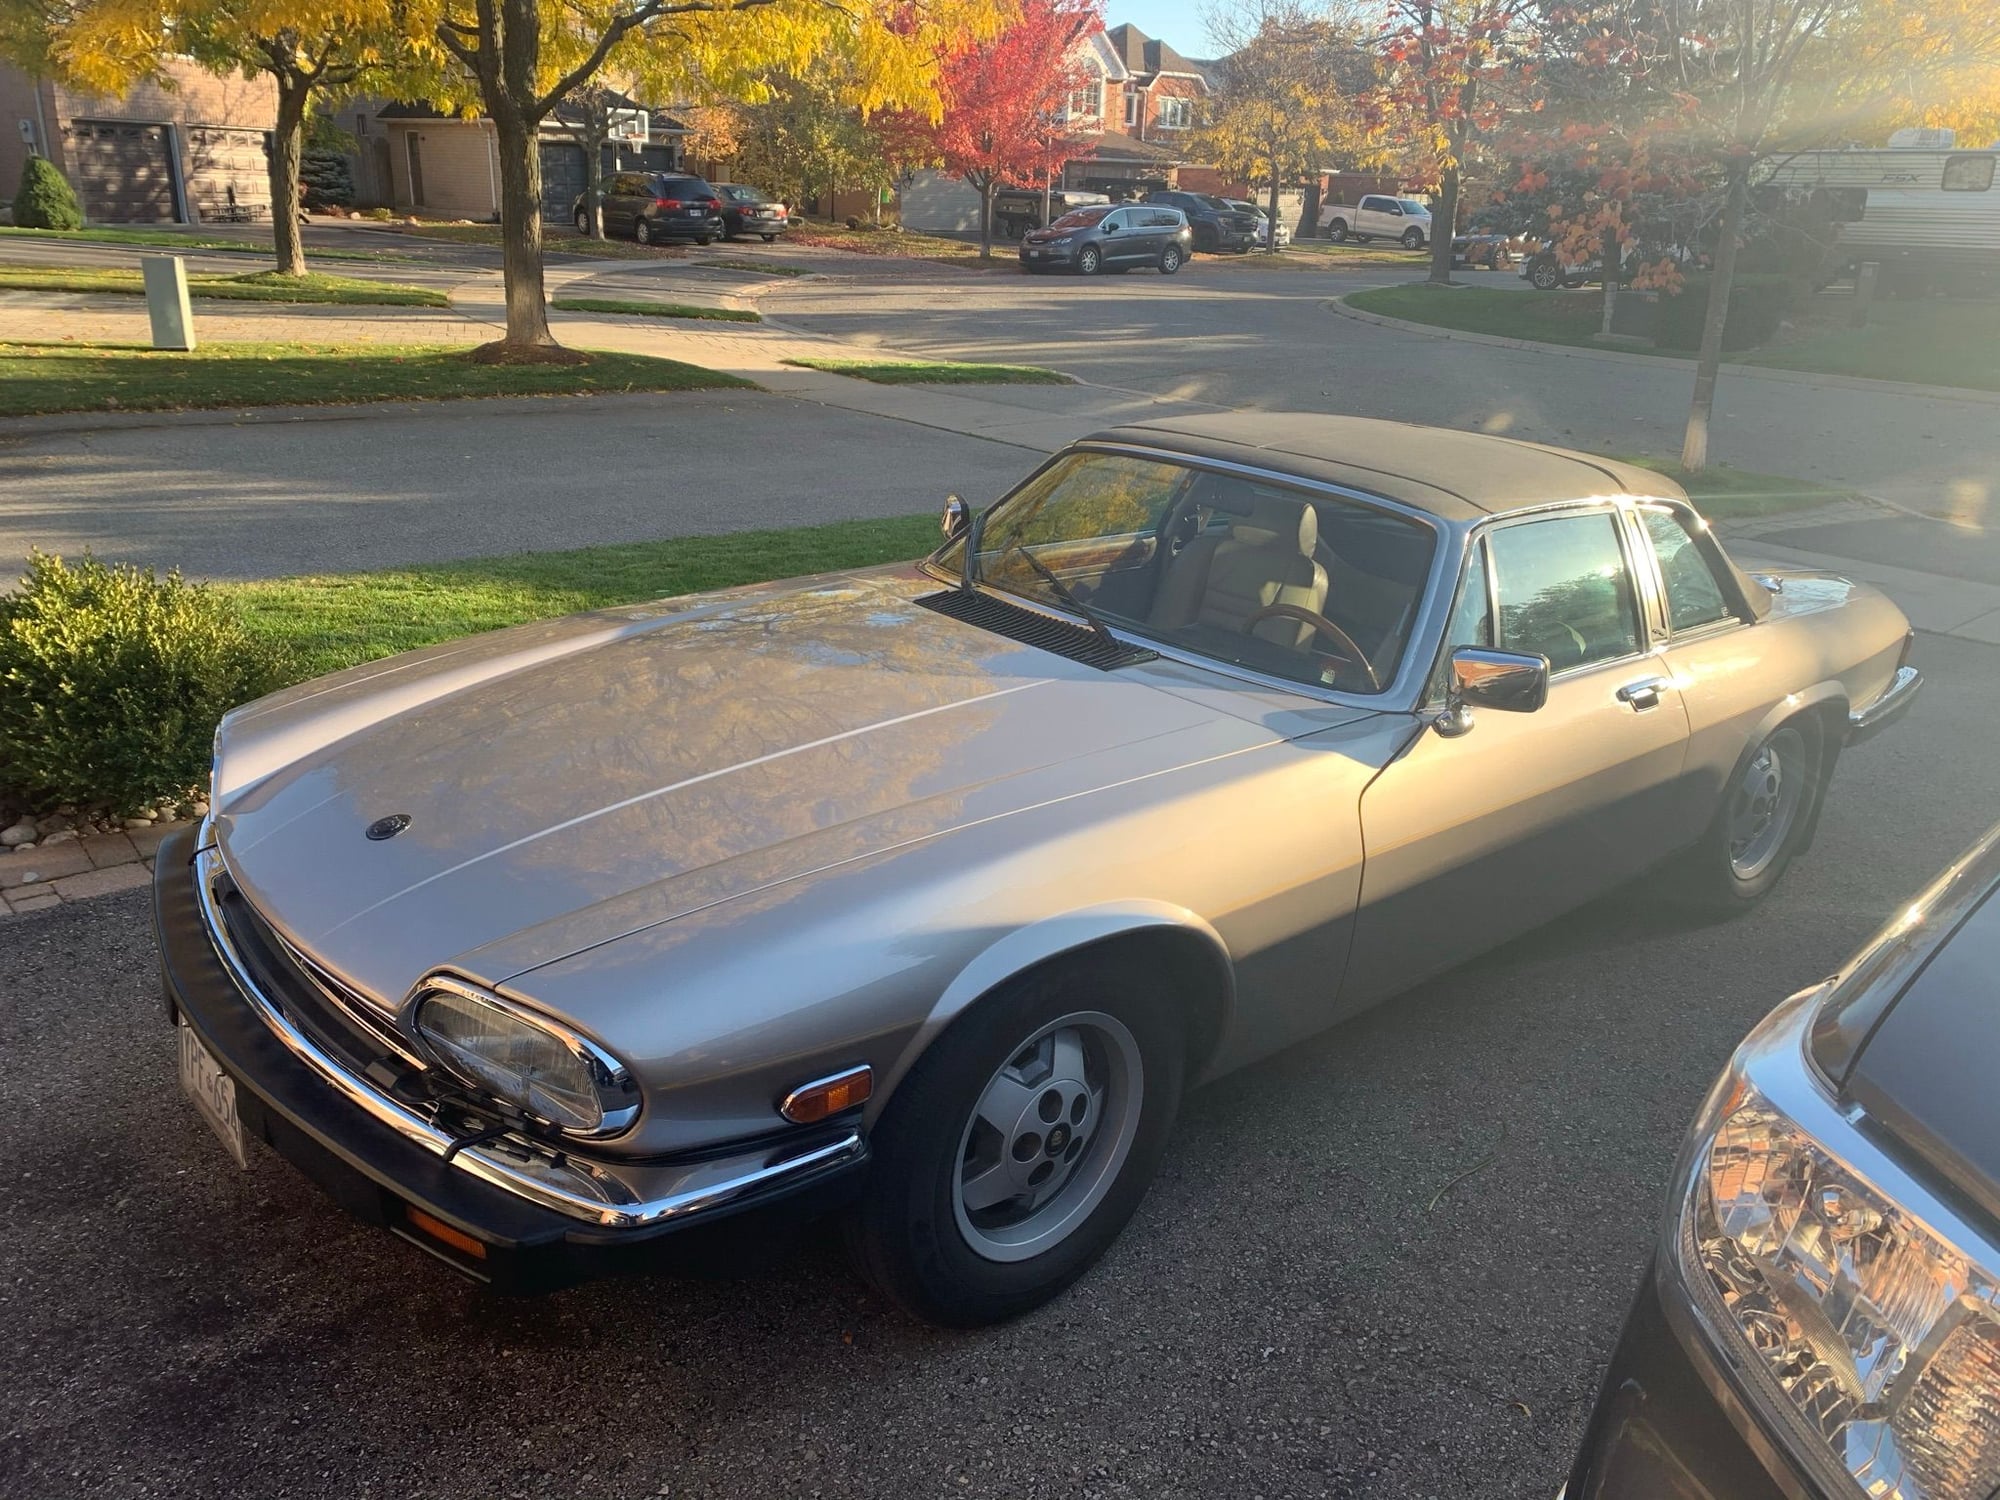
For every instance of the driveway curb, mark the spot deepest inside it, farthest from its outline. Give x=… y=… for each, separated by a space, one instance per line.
x=1338 y=306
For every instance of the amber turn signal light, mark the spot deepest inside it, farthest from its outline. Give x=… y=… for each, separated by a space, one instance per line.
x=444 y=1234
x=810 y=1103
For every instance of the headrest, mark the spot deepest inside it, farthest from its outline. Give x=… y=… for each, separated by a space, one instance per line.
x=1271 y=522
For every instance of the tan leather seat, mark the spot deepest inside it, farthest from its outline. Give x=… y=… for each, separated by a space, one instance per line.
x=1222 y=578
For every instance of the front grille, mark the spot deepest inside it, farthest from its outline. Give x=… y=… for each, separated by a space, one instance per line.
x=1033 y=628
x=336 y=1017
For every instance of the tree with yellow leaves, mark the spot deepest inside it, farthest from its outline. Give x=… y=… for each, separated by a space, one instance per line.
x=515 y=60
x=310 y=49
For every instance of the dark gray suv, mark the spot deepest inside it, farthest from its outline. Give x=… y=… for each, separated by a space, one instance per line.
x=1111 y=237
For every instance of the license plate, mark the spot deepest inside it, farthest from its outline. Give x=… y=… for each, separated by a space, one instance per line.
x=213 y=1092
x=1034 y=255
x=697 y=213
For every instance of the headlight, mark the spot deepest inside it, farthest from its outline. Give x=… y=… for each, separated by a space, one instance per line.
x=1062 y=239
x=539 y=1067
x=1878 y=1332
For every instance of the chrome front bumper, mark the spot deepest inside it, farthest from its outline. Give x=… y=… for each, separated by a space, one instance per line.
x=1862 y=723
x=606 y=1193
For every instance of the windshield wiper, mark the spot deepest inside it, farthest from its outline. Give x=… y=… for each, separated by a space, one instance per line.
x=973 y=532
x=1063 y=594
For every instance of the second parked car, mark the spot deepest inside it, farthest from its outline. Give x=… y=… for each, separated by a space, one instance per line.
x=747 y=211
x=1378 y=216
x=655 y=206
x=1217 y=224
x=1111 y=238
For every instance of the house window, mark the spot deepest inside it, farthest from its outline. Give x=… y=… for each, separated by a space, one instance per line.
x=1175 y=114
x=1087 y=103
x=1135 y=106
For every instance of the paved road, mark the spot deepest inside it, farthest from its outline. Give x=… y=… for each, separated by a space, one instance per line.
x=335 y=490
x=1295 y=1312
x=1239 y=336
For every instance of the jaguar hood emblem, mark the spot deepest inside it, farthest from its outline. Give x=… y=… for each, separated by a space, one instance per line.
x=389 y=827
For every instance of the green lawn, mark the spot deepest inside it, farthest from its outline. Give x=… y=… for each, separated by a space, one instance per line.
x=173 y=240
x=1936 y=341
x=901 y=243
x=36 y=378
x=555 y=241
x=934 y=372
x=336 y=620
x=762 y=267
x=1725 y=494
x=629 y=309
x=258 y=286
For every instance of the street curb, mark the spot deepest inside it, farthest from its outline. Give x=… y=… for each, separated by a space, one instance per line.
x=1338 y=306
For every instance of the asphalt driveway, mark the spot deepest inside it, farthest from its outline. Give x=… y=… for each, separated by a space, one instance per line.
x=1386 y=1264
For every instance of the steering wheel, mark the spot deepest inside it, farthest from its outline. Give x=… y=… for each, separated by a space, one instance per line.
x=1322 y=626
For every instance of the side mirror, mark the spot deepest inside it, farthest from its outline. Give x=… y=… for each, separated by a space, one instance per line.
x=956 y=518
x=1512 y=682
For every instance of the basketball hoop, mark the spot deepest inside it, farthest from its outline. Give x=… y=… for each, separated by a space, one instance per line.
x=630 y=126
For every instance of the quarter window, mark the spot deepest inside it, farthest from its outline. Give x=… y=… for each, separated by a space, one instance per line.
x=1564 y=590
x=1694 y=597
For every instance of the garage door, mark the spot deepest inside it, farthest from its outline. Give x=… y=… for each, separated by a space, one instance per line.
x=562 y=181
x=121 y=171
x=230 y=176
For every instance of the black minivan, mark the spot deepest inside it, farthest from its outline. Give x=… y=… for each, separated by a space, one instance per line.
x=655 y=206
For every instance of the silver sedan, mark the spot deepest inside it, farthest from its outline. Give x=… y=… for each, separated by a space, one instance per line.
x=920 y=894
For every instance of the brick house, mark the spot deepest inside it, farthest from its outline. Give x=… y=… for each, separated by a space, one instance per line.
x=194 y=152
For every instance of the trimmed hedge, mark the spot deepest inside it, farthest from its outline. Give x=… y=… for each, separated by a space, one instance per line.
x=1757 y=304
x=112 y=681
x=44 y=200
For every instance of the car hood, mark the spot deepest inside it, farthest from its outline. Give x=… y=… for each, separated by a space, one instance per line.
x=569 y=782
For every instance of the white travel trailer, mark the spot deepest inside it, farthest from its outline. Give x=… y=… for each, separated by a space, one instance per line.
x=1926 y=210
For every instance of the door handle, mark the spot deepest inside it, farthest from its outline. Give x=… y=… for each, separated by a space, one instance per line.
x=1644 y=694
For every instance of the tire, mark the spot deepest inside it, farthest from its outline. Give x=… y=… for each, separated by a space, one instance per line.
x=1170 y=260
x=1337 y=231
x=1413 y=239
x=976 y=1117
x=1204 y=240
x=1089 y=260
x=583 y=223
x=769 y=237
x=642 y=231
x=1545 y=276
x=704 y=239
x=1769 y=809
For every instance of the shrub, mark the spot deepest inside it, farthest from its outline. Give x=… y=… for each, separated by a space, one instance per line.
x=326 y=178
x=112 y=681
x=44 y=199
x=1757 y=304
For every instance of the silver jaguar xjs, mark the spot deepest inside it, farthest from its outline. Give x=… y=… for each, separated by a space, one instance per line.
x=921 y=893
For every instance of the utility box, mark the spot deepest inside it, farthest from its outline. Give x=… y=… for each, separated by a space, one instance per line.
x=167 y=301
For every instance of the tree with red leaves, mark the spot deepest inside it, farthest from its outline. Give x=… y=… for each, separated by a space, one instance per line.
x=1005 y=104
x=1452 y=73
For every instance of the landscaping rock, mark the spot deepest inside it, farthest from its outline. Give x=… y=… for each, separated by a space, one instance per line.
x=23 y=832
x=133 y=825
x=61 y=836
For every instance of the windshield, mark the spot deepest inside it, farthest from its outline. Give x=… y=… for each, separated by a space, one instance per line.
x=1411 y=206
x=1288 y=583
x=741 y=194
x=1082 y=218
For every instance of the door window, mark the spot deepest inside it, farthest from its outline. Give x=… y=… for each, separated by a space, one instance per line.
x=1119 y=220
x=1564 y=590
x=1375 y=205
x=1694 y=596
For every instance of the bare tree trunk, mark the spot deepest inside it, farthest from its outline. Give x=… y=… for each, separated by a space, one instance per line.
x=287 y=147
x=1611 y=258
x=521 y=233
x=1694 y=446
x=1444 y=221
x=986 y=218
x=591 y=138
x=1272 y=248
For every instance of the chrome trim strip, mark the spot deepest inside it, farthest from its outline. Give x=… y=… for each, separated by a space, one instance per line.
x=862 y=1070
x=608 y=1202
x=1896 y=698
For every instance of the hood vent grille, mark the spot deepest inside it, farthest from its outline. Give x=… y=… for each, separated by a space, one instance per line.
x=1033 y=628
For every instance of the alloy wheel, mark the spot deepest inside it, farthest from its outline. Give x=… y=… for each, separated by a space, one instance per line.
x=1764 y=806
x=1048 y=1136
x=642 y=232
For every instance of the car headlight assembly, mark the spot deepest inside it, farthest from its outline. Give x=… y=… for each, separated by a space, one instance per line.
x=527 y=1061
x=1875 y=1334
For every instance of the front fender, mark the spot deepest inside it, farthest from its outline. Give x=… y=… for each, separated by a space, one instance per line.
x=1016 y=952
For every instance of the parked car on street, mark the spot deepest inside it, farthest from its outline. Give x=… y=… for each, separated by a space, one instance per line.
x=656 y=206
x=1822 y=1315
x=747 y=211
x=1018 y=210
x=1263 y=223
x=1217 y=225
x=921 y=892
x=1482 y=250
x=1546 y=271
x=1378 y=217
x=1110 y=238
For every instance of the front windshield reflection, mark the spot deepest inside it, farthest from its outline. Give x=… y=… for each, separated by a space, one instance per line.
x=1295 y=585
